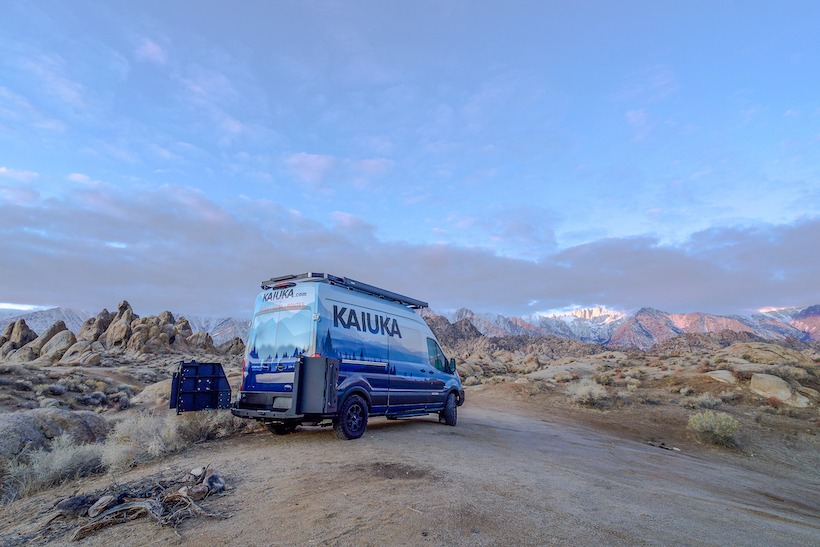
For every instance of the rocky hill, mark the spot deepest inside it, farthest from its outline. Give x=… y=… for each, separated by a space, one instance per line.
x=808 y=320
x=221 y=329
x=106 y=333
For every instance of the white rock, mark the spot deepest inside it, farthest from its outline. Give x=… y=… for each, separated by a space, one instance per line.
x=724 y=376
x=767 y=385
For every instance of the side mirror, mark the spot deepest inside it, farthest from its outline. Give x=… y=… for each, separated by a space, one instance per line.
x=452 y=369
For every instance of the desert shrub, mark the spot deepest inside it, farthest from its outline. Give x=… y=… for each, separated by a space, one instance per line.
x=587 y=393
x=8 y=368
x=64 y=460
x=707 y=400
x=602 y=378
x=633 y=384
x=23 y=385
x=715 y=427
x=623 y=397
x=145 y=436
x=56 y=389
x=773 y=402
x=730 y=396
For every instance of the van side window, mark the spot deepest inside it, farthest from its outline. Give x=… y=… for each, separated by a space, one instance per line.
x=436 y=356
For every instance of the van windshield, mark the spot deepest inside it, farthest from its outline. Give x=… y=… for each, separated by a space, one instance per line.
x=280 y=333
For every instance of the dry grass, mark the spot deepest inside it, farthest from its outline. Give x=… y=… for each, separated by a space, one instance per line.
x=63 y=461
x=145 y=436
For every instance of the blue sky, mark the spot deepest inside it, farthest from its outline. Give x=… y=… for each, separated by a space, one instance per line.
x=508 y=157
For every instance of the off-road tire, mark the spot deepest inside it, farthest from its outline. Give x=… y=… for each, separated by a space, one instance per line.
x=281 y=429
x=449 y=415
x=352 y=420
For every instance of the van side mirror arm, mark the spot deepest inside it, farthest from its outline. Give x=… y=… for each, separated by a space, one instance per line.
x=452 y=365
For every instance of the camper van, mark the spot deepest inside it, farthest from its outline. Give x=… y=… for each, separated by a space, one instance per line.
x=329 y=350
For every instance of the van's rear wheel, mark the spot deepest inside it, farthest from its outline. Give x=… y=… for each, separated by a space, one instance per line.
x=281 y=429
x=450 y=413
x=352 y=420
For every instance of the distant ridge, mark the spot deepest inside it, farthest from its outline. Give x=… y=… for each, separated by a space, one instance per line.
x=598 y=325
x=221 y=329
x=647 y=326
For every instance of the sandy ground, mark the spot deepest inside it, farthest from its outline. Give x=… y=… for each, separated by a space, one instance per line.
x=511 y=472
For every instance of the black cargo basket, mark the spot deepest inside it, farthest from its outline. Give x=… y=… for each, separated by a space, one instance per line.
x=199 y=386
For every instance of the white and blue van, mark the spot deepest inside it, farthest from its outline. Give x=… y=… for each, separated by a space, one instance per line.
x=325 y=350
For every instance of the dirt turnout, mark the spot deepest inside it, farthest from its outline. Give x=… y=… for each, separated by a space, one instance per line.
x=507 y=474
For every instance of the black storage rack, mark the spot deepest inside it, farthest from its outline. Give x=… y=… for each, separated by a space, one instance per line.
x=347 y=283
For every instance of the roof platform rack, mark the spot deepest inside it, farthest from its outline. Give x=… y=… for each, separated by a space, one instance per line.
x=347 y=283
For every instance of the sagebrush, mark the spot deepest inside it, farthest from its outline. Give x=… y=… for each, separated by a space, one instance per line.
x=715 y=427
x=587 y=393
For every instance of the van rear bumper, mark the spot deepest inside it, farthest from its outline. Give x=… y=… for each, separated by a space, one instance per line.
x=265 y=405
x=258 y=414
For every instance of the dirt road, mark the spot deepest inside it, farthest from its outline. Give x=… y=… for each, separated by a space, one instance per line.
x=499 y=477
x=508 y=474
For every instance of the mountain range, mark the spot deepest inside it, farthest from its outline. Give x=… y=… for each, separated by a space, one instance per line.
x=642 y=329
x=221 y=329
x=647 y=326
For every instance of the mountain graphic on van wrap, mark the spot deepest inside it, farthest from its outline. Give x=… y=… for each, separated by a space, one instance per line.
x=277 y=341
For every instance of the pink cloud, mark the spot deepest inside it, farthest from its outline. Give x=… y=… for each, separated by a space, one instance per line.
x=148 y=50
x=17 y=174
x=310 y=168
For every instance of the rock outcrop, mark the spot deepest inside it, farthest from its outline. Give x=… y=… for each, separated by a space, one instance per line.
x=16 y=337
x=119 y=331
x=769 y=386
x=93 y=328
x=34 y=429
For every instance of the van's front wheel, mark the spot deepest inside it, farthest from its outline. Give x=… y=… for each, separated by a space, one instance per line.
x=352 y=420
x=450 y=413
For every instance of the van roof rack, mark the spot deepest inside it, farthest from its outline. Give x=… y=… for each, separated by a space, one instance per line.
x=348 y=283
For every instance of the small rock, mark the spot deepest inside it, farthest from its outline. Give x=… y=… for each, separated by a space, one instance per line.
x=214 y=482
x=102 y=505
x=76 y=506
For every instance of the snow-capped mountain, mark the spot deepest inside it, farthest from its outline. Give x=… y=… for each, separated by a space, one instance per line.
x=40 y=320
x=221 y=329
x=648 y=326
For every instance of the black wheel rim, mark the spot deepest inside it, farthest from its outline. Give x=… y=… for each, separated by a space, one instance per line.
x=354 y=418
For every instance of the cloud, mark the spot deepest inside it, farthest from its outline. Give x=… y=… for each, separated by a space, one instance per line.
x=652 y=84
x=310 y=168
x=638 y=120
x=174 y=248
x=51 y=70
x=19 y=110
x=148 y=50
x=17 y=174
x=81 y=178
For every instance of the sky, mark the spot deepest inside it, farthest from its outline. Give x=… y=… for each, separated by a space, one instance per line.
x=509 y=157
